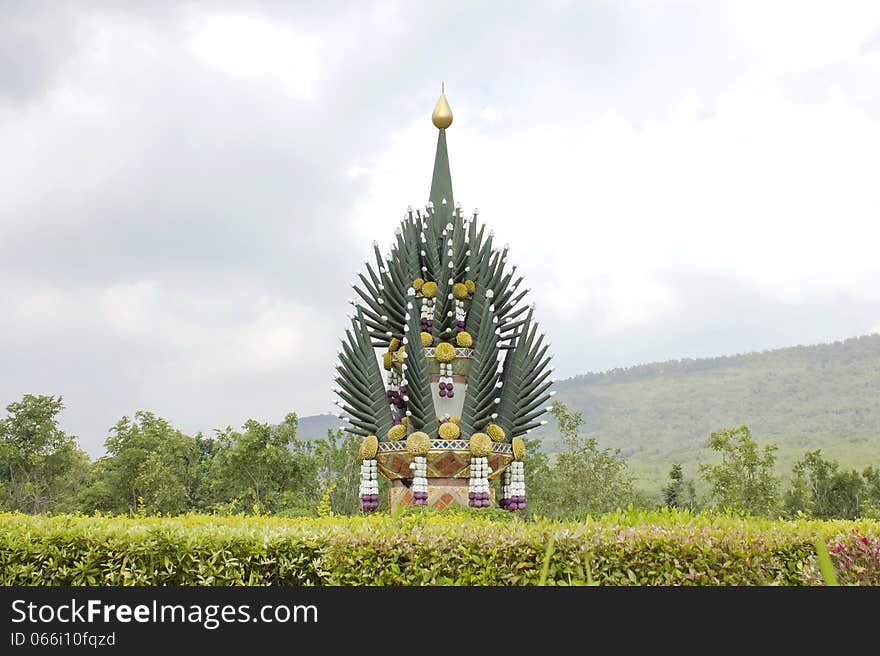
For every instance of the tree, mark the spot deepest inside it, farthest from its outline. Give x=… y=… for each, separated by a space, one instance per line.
x=744 y=480
x=871 y=506
x=540 y=494
x=41 y=466
x=680 y=492
x=339 y=466
x=265 y=468
x=584 y=478
x=819 y=489
x=149 y=466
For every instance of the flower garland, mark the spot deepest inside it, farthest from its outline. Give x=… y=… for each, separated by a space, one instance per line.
x=513 y=484
x=445 y=355
x=426 y=314
x=395 y=390
x=369 y=485
x=417 y=444
x=478 y=484
x=419 y=467
x=513 y=487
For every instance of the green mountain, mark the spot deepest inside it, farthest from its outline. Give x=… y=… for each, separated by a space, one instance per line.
x=825 y=396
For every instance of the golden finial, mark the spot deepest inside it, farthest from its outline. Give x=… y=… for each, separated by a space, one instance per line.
x=442 y=116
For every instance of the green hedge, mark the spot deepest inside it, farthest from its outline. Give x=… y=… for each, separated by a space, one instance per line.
x=425 y=548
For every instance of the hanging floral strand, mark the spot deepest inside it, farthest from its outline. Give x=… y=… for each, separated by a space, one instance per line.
x=369 y=486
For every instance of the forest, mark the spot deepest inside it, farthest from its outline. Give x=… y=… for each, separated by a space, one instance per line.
x=152 y=468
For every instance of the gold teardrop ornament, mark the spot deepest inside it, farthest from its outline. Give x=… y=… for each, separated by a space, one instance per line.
x=442 y=116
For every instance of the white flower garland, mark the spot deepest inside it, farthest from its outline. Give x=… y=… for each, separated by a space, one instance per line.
x=419 y=467
x=513 y=487
x=369 y=486
x=478 y=485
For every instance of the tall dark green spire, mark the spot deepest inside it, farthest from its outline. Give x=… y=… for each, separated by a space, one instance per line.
x=441 y=182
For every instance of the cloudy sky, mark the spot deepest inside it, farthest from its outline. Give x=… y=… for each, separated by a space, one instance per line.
x=189 y=187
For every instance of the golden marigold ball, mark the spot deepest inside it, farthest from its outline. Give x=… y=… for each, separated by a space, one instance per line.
x=397 y=432
x=429 y=289
x=417 y=284
x=387 y=360
x=480 y=445
x=519 y=448
x=470 y=285
x=418 y=444
x=495 y=432
x=449 y=431
x=445 y=352
x=455 y=419
x=460 y=291
x=404 y=421
x=464 y=339
x=369 y=447
x=427 y=339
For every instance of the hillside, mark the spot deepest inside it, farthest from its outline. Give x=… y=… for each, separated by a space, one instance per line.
x=806 y=397
x=314 y=427
x=801 y=398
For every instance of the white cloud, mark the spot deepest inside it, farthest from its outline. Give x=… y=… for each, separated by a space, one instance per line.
x=794 y=36
x=246 y=46
x=775 y=193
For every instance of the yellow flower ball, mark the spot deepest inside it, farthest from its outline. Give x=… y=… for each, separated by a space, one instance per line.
x=519 y=448
x=460 y=291
x=471 y=286
x=369 y=447
x=455 y=419
x=445 y=352
x=449 y=431
x=404 y=421
x=397 y=432
x=427 y=339
x=495 y=432
x=394 y=344
x=387 y=360
x=417 y=284
x=429 y=289
x=464 y=339
x=418 y=444
x=480 y=445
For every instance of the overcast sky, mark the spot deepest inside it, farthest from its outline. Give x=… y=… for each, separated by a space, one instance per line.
x=187 y=188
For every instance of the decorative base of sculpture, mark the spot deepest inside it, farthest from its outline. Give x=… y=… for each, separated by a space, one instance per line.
x=445 y=459
x=442 y=493
x=448 y=472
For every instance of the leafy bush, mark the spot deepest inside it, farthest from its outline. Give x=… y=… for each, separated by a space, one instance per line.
x=854 y=557
x=426 y=548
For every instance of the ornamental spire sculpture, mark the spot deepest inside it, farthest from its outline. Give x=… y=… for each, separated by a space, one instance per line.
x=467 y=372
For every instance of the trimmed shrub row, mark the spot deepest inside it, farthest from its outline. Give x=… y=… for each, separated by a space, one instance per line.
x=429 y=548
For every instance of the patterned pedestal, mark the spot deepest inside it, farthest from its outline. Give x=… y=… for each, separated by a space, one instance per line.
x=448 y=471
x=442 y=492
